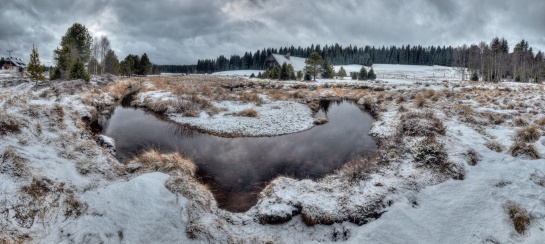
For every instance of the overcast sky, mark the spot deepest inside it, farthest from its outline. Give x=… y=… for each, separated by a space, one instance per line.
x=182 y=31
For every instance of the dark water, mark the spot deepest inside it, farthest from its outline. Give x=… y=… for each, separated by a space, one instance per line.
x=237 y=169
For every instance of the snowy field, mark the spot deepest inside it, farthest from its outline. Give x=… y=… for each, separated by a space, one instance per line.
x=59 y=185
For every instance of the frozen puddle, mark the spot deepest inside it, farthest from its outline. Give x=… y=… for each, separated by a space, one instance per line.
x=237 y=169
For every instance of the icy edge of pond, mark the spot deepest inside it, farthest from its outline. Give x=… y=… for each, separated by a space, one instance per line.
x=275 y=118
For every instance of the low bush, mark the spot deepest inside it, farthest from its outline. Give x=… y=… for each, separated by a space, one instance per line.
x=472 y=157
x=420 y=101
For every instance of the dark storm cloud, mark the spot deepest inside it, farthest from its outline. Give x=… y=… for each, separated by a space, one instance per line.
x=180 y=32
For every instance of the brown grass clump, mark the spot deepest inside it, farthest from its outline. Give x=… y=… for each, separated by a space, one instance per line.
x=10 y=161
x=251 y=97
x=523 y=149
x=172 y=163
x=38 y=188
x=9 y=124
x=519 y=121
x=519 y=216
x=358 y=169
x=248 y=113
x=472 y=157
x=528 y=134
x=540 y=121
x=420 y=101
x=420 y=124
x=494 y=146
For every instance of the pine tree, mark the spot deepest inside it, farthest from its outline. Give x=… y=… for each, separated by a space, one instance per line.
x=77 y=71
x=291 y=72
x=252 y=75
x=328 y=71
x=284 y=73
x=371 y=75
x=144 y=65
x=363 y=73
x=299 y=75
x=111 y=63
x=314 y=62
x=341 y=73
x=35 y=69
x=259 y=75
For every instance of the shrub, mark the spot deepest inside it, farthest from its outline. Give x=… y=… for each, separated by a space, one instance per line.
x=420 y=124
x=494 y=146
x=358 y=169
x=528 y=134
x=519 y=216
x=524 y=149
x=248 y=113
x=429 y=152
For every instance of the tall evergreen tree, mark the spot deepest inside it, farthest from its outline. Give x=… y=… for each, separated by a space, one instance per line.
x=144 y=65
x=35 y=69
x=328 y=71
x=314 y=62
x=111 y=63
x=78 y=39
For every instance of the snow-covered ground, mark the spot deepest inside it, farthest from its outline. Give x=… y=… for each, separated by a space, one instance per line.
x=57 y=185
x=274 y=118
x=244 y=73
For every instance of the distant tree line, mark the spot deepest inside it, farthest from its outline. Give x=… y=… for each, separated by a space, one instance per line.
x=493 y=61
x=190 y=69
x=337 y=55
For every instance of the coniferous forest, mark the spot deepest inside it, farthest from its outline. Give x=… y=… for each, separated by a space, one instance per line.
x=486 y=61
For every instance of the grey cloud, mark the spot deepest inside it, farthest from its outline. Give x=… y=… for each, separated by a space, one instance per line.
x=180 y=32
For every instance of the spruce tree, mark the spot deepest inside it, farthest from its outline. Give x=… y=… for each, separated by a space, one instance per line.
x=328 y=71
x=276 y=73
x=284 y=73
x=354 y=75
x=341 y=73
x=77 y=71
x=371 y=75
x=259 y=75
x=111 y=63
x=252 y=75
x=363 y=73
x=299 y=75
x=144 y=65
x=34 y=68
x=475 y=77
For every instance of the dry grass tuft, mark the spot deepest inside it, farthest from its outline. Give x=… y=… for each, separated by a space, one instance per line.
x=519 y=121
x=172 y=163
x=523 y=149
x=472 y=157
x=528 y=134
x=9 y=124
x=420 y=101
x=10 y=161
x=540 y=121
x=519 y=216
x=494 y=146
x=248 y=113
x=358 y=169
x=39 y=188
x=420 y=124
